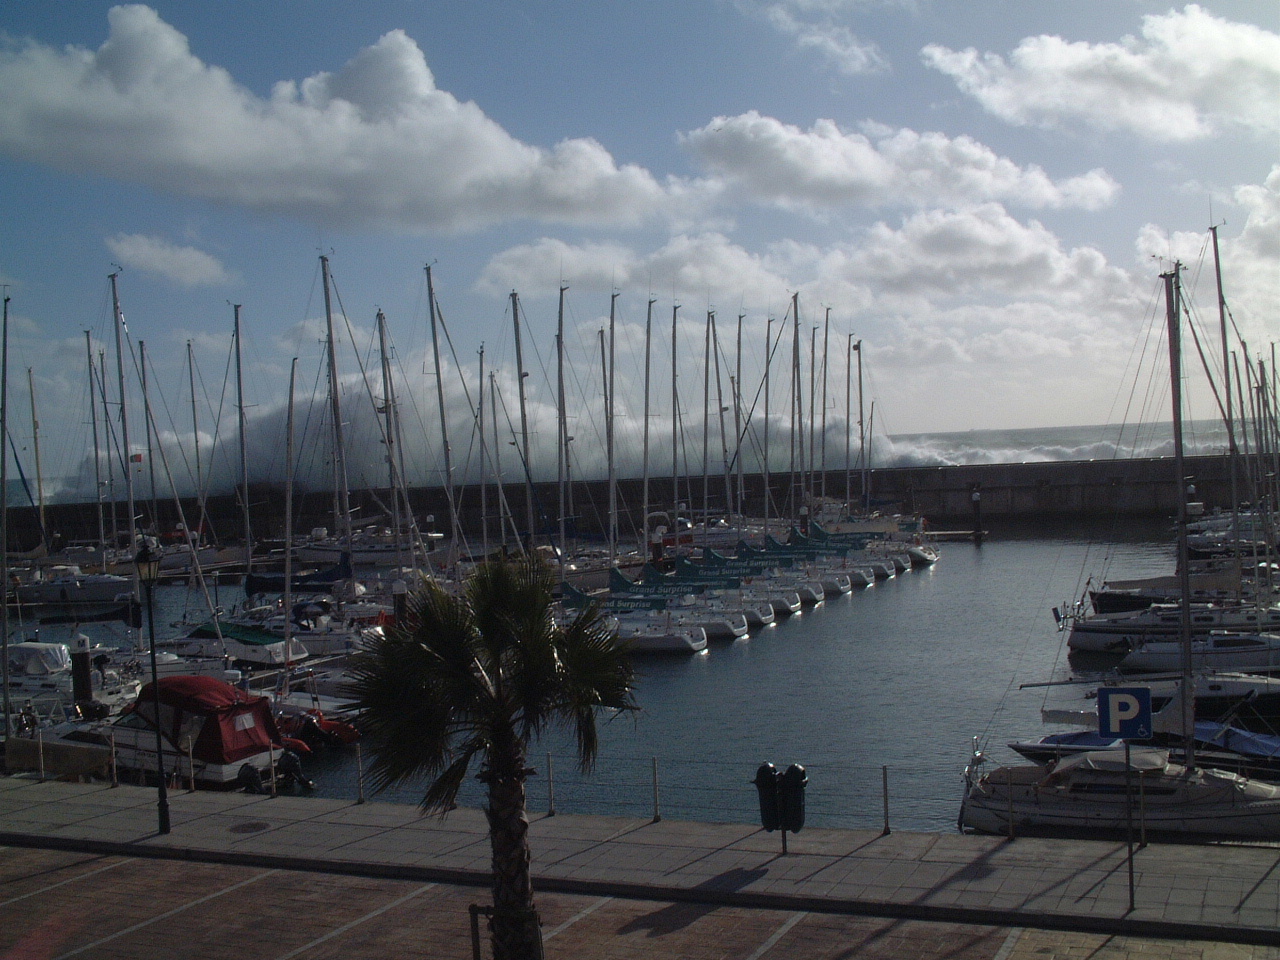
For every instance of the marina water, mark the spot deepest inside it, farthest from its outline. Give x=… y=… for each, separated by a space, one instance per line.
x=902 y=675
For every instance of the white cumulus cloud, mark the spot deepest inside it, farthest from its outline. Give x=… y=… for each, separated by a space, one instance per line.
x=779 y=163
x=375 y=144
x=1189 y=76
x=186 y=266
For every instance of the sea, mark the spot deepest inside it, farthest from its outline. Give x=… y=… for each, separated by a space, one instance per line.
x=877 y=694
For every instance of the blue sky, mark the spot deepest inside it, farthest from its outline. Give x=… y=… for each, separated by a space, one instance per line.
x=980 y=191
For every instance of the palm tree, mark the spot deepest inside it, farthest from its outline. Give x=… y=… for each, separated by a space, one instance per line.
x=478 y=677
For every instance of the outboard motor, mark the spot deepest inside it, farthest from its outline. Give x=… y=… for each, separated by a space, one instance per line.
x=249 y=779
x=289 y=766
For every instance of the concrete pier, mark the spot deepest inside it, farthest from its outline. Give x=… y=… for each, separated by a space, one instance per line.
x=835 y=889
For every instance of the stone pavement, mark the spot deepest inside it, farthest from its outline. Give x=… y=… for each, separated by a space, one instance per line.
x=614 y=886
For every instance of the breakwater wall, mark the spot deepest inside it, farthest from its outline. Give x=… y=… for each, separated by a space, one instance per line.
x=1015 y=493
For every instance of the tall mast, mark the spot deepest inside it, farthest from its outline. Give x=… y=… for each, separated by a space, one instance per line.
x=111 y=461
x=97 y=449
x=243 y=422
x=288 y=517
x=737 y=423
x=706 y=433
x=4 y=515
x=644 y=454
x=389 y=430
x=562 y=430
x=610 y=397
x=484 y=476
x=195 y=433
x=675 y=427
x=151 y=459
x=862 y=431
x=1233 y=453
x=444 y=419
x=797 y=410
x=35 y=443
x=124 y=415
x=848 y=425
x=524 y=421
x=826 y=348
x=341 y=492
x=811 y=488
x=720 y=408
x=1173 y=310
x=768 y=351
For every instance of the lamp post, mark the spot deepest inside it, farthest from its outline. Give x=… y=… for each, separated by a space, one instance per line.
x=148 y=565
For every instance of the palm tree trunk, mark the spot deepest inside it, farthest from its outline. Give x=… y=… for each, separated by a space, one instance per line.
x=517 y=931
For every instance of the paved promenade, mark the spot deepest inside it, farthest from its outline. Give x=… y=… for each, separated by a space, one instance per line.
x=971 y=896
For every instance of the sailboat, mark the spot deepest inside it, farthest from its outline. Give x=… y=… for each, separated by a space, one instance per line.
x=1109 y=789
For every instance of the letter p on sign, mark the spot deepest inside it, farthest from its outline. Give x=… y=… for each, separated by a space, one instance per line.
x=1124 y=712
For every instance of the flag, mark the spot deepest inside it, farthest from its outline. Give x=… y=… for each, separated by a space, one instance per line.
x=135 y=458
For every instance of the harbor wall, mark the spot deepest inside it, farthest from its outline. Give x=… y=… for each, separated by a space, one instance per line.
x=1012 y=492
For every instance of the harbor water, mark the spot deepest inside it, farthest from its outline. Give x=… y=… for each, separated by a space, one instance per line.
x=889 y=684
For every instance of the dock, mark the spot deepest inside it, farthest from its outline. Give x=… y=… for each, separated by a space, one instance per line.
x=83 y=873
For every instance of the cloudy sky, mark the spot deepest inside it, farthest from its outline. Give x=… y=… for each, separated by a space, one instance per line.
x=984 y=193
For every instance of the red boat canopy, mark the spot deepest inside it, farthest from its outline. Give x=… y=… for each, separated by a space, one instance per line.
x=220 y=723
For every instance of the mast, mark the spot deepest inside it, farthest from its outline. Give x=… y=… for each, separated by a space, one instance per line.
x=848 y=425
x=444 y=420
x=1173 y=310
x=484 y=476
x=124 y=416
x=862 y=432
x=1233 y=453
x=706 y=433
x=675 y=433
x=736 y=383
x=524 y=420
x=562 y=430
x=768 y=350
x=97 y=450
x=826 y=348
x=341 y=492
x=4 y=515
x=797 y=410
x=288 y=521
x=195 y=433
x=721 y=408
x=242 y=421
x=151 y=459
x=101 y=385
x=811 y=487
x=35 y=443
x=610 y=398
x=390 y=432
x=644 y=455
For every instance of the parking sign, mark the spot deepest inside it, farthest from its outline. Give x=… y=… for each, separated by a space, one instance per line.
x=1124 y=712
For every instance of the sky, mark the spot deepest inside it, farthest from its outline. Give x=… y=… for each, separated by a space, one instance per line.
x=982 y=192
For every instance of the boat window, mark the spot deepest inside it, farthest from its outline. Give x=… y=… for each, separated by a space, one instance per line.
x=131 y=720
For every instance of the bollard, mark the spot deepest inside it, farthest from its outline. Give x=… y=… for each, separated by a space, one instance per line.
x=40 y=752
x=271 y=754
x=551 y=787
x=191 y=767
x=359 y=775
x=657 y=812
x=115 y=774
x=884 y=783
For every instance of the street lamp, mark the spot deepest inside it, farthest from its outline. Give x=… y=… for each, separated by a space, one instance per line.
x=147 y=563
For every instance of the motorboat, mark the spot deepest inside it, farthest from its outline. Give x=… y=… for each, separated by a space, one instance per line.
x=1218 y=746
x=1221 y=650
x=213 y=734
x=1098 y=791
x=1123 y=631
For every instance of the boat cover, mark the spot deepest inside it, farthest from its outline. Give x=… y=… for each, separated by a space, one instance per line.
x=222 y=723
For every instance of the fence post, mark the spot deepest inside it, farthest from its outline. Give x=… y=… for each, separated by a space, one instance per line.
x=359 y=774
x=657 y=811
x=191 y=766
x=884 y=789
x=1009 y=787
x=551 y=787
x=115 y=775
x=271 y=754
x=40 y=751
